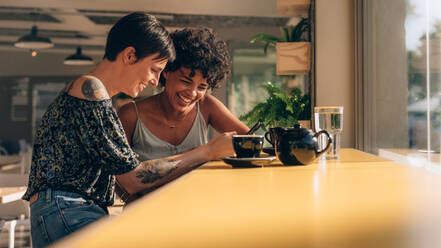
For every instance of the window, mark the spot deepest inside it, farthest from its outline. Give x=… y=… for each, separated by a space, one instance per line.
x=402 y=76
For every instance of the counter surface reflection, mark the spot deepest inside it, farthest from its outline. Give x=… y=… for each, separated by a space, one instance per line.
x=357 y=201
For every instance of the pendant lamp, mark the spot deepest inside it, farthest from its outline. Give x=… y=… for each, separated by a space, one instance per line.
x=33 y=41
x=78 y=59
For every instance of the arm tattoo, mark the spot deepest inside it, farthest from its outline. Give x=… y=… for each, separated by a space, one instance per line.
x=153 y=170
x=93 y=89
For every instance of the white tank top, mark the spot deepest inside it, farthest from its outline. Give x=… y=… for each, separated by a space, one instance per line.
x=148 y=146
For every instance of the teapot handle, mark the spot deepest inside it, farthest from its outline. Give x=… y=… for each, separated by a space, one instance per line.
x=327 y=145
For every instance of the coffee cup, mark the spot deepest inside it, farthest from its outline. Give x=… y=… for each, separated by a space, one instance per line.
x=247 y=146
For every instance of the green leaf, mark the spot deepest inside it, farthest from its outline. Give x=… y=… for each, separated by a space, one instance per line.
x=265 y=48
x=285 y=34
x=300 y=28
x=265 y=38
x=291 y=31
x=288 y=34
x=289 y=108
x=280 y=108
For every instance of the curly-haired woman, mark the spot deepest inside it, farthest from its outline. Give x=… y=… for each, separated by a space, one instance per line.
x=176 y=120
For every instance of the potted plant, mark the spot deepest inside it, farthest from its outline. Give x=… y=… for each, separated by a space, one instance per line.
x=280 y=108
x=293 y=49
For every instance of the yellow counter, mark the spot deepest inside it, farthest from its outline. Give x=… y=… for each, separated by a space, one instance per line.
x=358 y=201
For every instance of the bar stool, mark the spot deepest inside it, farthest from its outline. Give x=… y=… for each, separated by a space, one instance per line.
x=13 y=210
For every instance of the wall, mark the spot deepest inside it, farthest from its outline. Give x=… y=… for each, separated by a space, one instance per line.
x=335 y=60
x=11 y=131
x=14 y=129
x=387 y=83
x=200 y=7
x=20 y=63
x=46 y=67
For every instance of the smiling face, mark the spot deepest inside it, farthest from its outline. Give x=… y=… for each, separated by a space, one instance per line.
x=184 y=91
x=144 y=72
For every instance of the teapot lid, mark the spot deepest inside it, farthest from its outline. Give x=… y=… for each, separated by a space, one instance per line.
x=297 y=125
x=297 y=128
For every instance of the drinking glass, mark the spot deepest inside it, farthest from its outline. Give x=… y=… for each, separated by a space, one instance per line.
x=329 y=118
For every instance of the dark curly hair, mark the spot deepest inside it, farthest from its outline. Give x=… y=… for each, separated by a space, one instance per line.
x=199 y=49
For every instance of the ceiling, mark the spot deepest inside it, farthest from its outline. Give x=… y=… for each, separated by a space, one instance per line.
x=69 y=23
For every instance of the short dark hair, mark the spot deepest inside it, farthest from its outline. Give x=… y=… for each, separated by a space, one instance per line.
x=141 y=31
x=199 y=49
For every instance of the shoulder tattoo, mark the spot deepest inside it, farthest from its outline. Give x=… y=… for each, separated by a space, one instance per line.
x=93 y=89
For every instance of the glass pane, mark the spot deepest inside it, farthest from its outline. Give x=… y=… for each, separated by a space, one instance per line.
x=43 y=95
x=424 y=21
x=251 y=69
x=403 y=55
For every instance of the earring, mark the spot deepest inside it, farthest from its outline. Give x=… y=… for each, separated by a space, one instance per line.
x=131 y=58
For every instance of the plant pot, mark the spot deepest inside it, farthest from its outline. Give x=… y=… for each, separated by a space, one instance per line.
x=293 y=58
x=292 y=7
x=305 y=124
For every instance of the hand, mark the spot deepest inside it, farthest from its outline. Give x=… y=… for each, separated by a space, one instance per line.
x=221 y=146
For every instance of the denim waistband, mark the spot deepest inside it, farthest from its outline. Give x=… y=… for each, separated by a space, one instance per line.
x=50 y=194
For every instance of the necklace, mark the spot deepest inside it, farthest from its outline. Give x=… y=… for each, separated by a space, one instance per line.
x=170 y=125
x=165 y=116
x=167 y=122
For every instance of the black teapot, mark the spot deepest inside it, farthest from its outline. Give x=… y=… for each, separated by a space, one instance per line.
x=297 y=145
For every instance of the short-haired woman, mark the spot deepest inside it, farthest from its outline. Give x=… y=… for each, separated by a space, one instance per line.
x=80 y=144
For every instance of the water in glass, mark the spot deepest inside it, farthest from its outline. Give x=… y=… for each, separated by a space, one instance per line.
x=331 y=120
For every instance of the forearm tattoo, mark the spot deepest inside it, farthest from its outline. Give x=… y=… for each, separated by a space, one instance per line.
x=93 y=89
x=153 y=170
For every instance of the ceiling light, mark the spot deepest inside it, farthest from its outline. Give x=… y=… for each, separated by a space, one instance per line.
x=33 y=41
x=78 y=59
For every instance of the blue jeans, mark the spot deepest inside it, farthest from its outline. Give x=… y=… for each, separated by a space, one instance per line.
x=57 y=214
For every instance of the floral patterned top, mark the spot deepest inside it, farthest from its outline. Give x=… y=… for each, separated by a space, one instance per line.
x=80 y=146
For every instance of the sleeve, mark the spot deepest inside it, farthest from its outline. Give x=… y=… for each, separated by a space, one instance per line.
x=102 y=136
